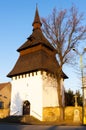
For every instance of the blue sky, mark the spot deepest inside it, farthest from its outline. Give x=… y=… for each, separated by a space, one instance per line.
x=16 y=17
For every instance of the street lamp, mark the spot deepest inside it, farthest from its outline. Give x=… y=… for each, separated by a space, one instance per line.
x=81 y=67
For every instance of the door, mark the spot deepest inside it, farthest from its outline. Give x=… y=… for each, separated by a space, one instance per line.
x=26 y=107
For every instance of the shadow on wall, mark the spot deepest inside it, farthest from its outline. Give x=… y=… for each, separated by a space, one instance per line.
x=15 y=104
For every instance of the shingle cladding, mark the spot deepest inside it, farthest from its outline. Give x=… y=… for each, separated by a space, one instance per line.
x=37 y=59
x=33 y=62
x=36 y=38
x=3 y=85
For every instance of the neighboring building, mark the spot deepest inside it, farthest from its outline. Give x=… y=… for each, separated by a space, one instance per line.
x=34 y=76
x=5 y=98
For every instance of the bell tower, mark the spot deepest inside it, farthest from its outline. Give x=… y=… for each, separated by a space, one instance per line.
x=34 y=76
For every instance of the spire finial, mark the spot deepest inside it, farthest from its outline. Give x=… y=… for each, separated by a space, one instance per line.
x=36 y=5
x=36 y=23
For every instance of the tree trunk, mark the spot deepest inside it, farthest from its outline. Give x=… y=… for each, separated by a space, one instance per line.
x=59 y=91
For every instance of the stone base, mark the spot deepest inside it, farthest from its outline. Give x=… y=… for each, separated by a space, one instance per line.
x=51 y=113
x=4 y=113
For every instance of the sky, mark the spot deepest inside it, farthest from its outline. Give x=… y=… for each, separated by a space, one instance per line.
x=16 y=17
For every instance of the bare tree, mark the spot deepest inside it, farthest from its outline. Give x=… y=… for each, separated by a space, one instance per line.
x=64 y=30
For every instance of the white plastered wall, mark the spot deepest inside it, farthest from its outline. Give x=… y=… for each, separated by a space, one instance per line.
x=50 y=95
x=40 y=89
x=27 y=88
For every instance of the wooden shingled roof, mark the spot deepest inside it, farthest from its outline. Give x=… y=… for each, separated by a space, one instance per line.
x=37 y=36
x=3 y=85
x=33 y=59
x=30 y=62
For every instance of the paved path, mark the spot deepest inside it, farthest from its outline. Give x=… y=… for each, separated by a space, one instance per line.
x=39 y=127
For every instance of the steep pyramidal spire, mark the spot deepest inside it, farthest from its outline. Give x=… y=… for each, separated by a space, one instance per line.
x=36 y=53
x=36 y=23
